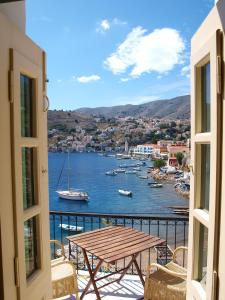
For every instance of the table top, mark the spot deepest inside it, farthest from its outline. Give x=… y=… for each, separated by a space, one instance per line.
x=115 y=242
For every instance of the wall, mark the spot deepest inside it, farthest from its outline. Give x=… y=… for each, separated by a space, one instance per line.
x=15 y=11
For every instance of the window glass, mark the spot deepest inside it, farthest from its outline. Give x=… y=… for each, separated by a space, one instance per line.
x=27 y=106
x=206 y=98
x=205 y=177
x=28 y=177
x=201 y=259
x=31 y=246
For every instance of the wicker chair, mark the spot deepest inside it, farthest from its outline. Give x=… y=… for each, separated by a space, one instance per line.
x=64 y=279
x=168 y=282
x=60 y=257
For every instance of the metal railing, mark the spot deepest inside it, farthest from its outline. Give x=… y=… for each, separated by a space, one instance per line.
x=174 y=230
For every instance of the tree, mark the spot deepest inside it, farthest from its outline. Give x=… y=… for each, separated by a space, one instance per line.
x=179 y=157
x=159 y=163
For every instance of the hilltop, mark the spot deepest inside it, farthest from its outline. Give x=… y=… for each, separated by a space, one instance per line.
x=170 y=109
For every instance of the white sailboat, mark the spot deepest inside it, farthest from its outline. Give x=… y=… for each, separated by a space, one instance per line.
x=70 y=193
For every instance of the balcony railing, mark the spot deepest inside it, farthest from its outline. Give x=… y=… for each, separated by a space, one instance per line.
x=174 y=230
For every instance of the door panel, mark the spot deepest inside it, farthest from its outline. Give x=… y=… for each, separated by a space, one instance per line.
x=29 y=132
x=205 y=178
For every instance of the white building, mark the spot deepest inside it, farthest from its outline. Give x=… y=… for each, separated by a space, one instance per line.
x=145 y=149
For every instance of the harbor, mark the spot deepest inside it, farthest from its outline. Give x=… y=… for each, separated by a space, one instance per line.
x=103 y=190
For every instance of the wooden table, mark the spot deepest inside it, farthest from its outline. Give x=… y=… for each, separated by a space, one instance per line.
x=109 y=245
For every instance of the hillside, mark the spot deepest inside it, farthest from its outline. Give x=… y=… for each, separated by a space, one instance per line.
x=171 y=109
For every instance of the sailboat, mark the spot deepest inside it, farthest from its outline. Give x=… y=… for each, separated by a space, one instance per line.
x=70 y=193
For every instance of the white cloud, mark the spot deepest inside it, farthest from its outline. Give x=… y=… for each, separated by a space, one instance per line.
x=185 y=71
x=86 y=79
x=143 y=52
x=59 y=80
x=105 y=24
x=118 y=22
x=124 y=79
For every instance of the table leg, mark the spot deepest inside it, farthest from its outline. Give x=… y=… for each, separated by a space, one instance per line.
x=128 y=266
x=139 y=272
x=92 y=276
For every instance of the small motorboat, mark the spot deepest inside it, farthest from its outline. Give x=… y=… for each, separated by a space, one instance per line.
x=125 y=193
x=137 y=169
x=119 y=170
x=143 y=177
x=156 y=185
x=71 y=227
x=111 y=173
x=154 y=182
x=131 y=172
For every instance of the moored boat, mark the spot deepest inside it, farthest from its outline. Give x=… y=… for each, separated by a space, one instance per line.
x=143 y=177
x=119 y=170
x=156 y=185
x=71 y=227
x=73 y=195
x=111 y=173
x=131 y=172
x=125 y=193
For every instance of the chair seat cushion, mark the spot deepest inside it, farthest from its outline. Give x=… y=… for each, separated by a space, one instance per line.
x=61 y=271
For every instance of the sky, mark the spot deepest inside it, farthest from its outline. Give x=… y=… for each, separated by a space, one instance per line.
x=115 y=52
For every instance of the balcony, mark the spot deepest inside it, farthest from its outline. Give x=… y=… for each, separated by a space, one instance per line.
x=174 y=230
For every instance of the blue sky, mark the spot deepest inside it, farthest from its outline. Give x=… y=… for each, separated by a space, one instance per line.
x=104 y=53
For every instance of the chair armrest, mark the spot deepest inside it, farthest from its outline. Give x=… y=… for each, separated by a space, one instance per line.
x=177 y=250
x=60 y=245
x=176 y=274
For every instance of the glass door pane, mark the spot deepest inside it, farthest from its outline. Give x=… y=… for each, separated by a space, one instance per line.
x=31 y=246
x=27 y=108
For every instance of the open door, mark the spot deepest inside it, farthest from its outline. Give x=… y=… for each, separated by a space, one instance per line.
x=206 y=138
x=29 y=150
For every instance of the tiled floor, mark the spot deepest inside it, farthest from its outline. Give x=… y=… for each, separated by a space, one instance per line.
x=129 y=288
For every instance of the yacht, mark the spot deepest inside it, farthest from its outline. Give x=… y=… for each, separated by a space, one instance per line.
x=70 y=193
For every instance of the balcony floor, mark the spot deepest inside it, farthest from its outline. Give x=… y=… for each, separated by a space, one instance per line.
x=129 y=288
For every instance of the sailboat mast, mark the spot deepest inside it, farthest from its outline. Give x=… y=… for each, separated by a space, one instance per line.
x=68 y=170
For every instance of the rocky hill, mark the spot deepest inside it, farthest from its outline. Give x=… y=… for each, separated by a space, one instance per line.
x=171 y=109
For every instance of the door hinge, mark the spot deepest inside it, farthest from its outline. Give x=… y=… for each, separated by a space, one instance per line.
x=11 y=86
x=16 y=271
x=214 y=284
x=218 y=73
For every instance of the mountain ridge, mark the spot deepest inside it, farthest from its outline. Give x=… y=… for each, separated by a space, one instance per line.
x=174 y=109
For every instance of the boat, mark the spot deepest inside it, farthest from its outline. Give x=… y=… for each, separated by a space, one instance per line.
x=125 y=193
x=143 y=177
x=156 y=185
x=119 y=170
x=111 y=173
x=137 y=169
x=149 y=183
x=123 y=166
x=71 y=228
x=71 y=193
x=131 y=172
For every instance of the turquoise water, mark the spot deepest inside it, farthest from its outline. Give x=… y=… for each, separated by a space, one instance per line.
x=88 y=173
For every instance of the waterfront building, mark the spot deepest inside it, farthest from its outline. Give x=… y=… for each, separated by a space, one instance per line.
x=145 y=149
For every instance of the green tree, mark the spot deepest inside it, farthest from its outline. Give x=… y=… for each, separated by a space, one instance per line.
x=159 y=163
x=179 y=157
